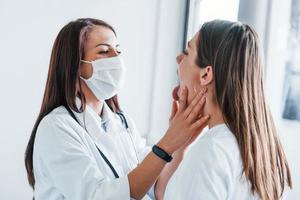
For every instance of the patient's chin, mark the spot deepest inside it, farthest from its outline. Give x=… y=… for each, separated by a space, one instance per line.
x=175 y=93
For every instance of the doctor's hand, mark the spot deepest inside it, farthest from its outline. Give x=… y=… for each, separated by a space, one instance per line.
x=186 y=122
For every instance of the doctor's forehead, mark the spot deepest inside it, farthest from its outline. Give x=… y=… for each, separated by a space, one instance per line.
x=101 y=35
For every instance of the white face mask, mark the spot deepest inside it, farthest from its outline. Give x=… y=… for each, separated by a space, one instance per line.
x=107 y=78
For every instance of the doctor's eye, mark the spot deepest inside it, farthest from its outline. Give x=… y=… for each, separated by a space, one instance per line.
x=103 y=52
x=185 y=52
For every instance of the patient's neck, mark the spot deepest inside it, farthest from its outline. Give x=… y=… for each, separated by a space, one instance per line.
x=213 y=110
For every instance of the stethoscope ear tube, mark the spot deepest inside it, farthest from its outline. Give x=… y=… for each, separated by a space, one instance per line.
x=101 y=153
x=124 y=121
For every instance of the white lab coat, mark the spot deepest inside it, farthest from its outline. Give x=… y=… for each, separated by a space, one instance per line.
x=67 y=164
x=211 y=170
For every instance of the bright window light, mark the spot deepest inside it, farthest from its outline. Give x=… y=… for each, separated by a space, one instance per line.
x=206 y=10
x=218 y=9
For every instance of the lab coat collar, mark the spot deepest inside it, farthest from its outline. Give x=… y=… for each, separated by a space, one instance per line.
x=92 y=123
x=108 y=118
x=107 y=114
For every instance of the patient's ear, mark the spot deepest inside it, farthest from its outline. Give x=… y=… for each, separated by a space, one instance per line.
x=206 y=75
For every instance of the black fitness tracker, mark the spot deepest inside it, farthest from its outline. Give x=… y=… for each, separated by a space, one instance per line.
x=161 y=153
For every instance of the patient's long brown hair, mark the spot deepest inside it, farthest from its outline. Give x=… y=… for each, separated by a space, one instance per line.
x=63 y=78
x=232 y=49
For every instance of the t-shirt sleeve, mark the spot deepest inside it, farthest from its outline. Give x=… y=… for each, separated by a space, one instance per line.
x=207 y=171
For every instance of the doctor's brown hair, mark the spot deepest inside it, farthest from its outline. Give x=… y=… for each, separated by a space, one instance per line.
x=232 y=49
x=63 y=85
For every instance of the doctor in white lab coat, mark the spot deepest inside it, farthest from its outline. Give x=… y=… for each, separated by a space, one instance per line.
x=82 y=146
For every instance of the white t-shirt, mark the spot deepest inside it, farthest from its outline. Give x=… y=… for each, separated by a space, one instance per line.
x=211 y=170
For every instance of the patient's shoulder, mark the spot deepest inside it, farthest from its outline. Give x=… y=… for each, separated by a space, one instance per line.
x=217 y=149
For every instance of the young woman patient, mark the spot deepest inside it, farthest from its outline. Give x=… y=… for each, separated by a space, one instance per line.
x=240 y=157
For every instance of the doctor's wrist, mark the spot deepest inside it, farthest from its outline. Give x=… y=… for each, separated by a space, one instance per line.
x=161 y=153
x=164 y=145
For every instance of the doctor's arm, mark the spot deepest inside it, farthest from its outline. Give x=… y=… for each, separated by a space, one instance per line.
x=178 y=155
x=185 y=118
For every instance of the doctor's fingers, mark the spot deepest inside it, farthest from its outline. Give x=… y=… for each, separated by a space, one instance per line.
x=200 y=124
x=183 y=99
x=198 y=127
x=174 y=109
x=197 y=110
x=193 y=110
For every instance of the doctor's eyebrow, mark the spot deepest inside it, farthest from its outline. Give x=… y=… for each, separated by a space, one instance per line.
x=105 y=44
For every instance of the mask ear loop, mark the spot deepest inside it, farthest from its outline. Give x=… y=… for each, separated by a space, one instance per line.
x=87 y=62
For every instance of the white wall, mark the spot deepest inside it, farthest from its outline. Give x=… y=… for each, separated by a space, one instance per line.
x=150 y=32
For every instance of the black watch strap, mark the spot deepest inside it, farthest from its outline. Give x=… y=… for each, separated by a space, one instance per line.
x=161 y=153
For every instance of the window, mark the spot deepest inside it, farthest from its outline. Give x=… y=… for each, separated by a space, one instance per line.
x=291 y=95
x=201 y=11
x=283 y=64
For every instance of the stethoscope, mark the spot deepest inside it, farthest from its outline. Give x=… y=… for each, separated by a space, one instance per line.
x=124 y=121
